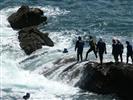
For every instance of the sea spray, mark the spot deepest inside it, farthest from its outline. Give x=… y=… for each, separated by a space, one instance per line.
x=66 y=21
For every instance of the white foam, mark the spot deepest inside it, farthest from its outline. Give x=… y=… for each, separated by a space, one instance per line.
x=12 y=76
x=54 y=11
x=5 y=29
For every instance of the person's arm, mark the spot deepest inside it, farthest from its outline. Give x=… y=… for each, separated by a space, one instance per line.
x=105 y=49
x=112 y=49
x=122 y=47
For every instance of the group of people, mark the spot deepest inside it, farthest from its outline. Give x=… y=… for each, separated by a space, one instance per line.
x=100 y=48
x=117 y=50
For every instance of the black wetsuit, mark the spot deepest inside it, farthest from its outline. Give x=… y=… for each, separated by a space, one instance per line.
x=92 y=48
x=129 y=52
x=120 y=50
x=115 y=51
x=79 y=46
x=101 y=47
x=27 y=96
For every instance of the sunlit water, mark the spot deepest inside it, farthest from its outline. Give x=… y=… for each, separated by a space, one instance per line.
x=67 y=19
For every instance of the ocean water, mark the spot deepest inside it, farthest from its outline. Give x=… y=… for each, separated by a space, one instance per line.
x=67 y=19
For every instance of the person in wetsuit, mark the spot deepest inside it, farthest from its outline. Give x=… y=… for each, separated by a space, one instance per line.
x=115 y=51
x=65 y=50
x=27 y=96
x=129 y=51
x=101 y=48
x=92 y=47
x=120 y=49
x=79 y=47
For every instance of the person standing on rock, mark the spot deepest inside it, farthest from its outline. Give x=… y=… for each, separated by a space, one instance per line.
x=115 y=51
x=129 y=51
x=92 y=45
x=120 y=49
x=101 y=48
x=79 y=47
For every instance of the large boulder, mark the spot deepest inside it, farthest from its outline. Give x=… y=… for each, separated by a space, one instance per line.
x=32 y=39
x=25 y=17
x=110 y=78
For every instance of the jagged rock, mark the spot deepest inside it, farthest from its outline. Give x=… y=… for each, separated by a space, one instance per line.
x=32 y=39
x=25 y=17
x=110 y=78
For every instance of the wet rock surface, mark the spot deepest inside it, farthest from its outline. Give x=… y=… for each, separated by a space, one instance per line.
x=110 y=78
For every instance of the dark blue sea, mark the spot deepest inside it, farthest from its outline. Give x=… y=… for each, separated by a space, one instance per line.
x=67 y=19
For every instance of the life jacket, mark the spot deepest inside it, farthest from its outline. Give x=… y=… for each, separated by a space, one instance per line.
x=92 y=44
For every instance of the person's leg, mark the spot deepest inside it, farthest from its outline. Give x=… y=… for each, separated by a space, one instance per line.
x=95 y=52
x=88 y=52
x=77 y=56
x=127 y=58
x=115 y=58
x=81 y=56
x=101 y=58
x=132 y=58
x=121 y=58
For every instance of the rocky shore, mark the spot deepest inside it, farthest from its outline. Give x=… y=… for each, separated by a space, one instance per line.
x=110 y=78
x=91 y=76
